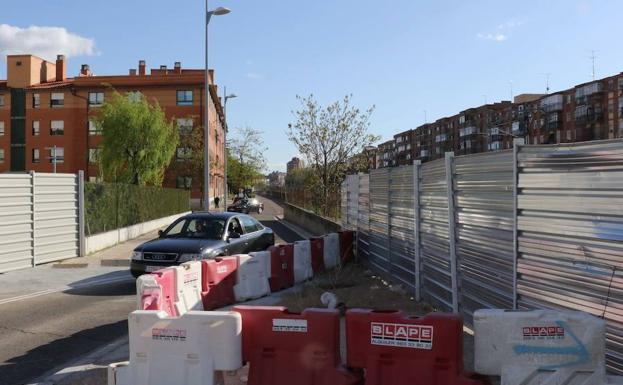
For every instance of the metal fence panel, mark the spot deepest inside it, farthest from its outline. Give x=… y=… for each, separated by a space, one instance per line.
x=378 y=220
x=401 y=225
x=56 y=235
x=570 y=233
x=15 y=221
x=483 y=193
x=434 y=237
x=363 y=221
x=350 y=202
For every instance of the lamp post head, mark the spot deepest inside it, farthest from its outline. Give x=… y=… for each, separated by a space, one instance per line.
x=231 y=96
x=220 y=11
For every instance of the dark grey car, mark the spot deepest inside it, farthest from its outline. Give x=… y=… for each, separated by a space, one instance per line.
x=199 y=236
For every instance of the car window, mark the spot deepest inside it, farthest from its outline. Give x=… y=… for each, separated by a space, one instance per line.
x=249 y=224
x=258 y=225
x=176 y=228
x=234 y=226
x=207 y=228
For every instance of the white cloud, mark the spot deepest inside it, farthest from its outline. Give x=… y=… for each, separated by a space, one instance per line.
x=499 y=37
x=254 y=76
x=45 y=42
x=501 y=33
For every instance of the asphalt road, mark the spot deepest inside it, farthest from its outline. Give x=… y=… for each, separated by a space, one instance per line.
x=37 y=334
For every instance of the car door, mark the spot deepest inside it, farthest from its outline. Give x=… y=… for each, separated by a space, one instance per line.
x=252 y=243
x=236 y=245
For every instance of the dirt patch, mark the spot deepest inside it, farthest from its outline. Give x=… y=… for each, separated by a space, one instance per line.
x=356 y=287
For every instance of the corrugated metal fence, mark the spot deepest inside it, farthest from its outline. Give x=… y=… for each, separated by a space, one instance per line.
x=39 y=218
x=536 y=227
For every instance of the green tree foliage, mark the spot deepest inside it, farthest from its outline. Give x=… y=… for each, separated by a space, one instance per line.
x=137 y=140
x=246 y=160
x=329 y=137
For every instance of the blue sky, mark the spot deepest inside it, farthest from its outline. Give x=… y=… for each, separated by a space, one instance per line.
x=403 y=56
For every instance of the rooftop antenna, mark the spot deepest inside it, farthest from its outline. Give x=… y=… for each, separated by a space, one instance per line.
x=547 y=75
x=593 y=57
x=485 y=97
x=425 y=119
x=511 y=84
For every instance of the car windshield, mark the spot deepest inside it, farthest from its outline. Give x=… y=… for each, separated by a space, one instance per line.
x=203 y=228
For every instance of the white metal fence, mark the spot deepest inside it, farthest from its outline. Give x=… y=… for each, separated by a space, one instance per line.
x=536 y=227
x=40 y=218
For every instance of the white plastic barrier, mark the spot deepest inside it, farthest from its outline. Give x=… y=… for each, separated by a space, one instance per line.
x=331 y=251
x=302 y=261
x=188 y=287
x=188 y=350
x=252 y=277
x=263 y=256
x=148 y=292
x=539 y=346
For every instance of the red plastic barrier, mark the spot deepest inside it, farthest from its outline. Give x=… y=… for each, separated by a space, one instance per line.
x=347 y=252
x=218 y=278
x=286 y=348
x=395 y=349
x=317 y=254
x=281 y=267
x=164 y=299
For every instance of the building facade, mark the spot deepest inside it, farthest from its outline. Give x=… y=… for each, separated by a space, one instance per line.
x=45 y=116
x=277 y=179
x=294 y=164
x=588 y=111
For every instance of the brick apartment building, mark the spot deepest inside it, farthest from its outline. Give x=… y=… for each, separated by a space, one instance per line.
x=40 y=107
x=588 y=111
x=294 y=164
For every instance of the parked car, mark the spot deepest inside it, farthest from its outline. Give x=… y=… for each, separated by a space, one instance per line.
x=201 y=235
x=246 y=205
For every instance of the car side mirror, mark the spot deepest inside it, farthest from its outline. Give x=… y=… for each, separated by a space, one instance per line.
x=160 y=233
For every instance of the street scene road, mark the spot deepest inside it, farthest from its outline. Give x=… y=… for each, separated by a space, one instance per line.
x=76 y=306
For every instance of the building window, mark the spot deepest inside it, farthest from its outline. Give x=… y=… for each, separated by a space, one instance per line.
x=35 y=155
x=96 y=99
x=185 y=126
x=184 y=98
x=94 y=155
x=1 y=155
x=57 y=100
x=93 y=129
x=57 y=127
x=183 y=154
x=36 y=100
x=1 y=100
x=35 y=128
x=58 y=153
x=184 y=182
x=1 y=128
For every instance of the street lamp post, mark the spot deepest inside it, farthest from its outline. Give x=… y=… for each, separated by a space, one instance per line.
x=206 y=124
x=230 y=96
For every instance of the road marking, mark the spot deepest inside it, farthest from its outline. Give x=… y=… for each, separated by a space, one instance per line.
x=65 y=288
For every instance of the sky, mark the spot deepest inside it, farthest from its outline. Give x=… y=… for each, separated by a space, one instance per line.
x=410 y=59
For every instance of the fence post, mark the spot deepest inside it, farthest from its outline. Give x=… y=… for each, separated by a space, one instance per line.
x=452 y=231
x=33 y=251
x=389 y=221
x=81 y=214
x=516 y=144
x=417 y=164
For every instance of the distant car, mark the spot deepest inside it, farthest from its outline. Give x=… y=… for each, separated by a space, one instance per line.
x=198 y=236
x=246 y=205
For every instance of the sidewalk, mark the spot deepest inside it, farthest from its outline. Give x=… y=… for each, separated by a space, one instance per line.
x=106 y=266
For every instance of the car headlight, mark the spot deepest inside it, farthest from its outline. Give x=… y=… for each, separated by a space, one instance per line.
x=137 y=255
x=189 y=257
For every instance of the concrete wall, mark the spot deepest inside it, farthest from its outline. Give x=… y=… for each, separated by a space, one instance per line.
x=309 y=221
x=104 y=240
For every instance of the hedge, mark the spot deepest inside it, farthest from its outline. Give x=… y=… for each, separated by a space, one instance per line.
x=113 y=206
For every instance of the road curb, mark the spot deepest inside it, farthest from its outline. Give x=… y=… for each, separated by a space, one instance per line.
x=300 y=232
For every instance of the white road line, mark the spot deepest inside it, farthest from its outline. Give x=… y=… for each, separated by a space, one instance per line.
x=65 y=288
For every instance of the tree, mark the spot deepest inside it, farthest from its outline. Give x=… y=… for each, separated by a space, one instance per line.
x=246 y=159
x=328 y=137
x=137 y=140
